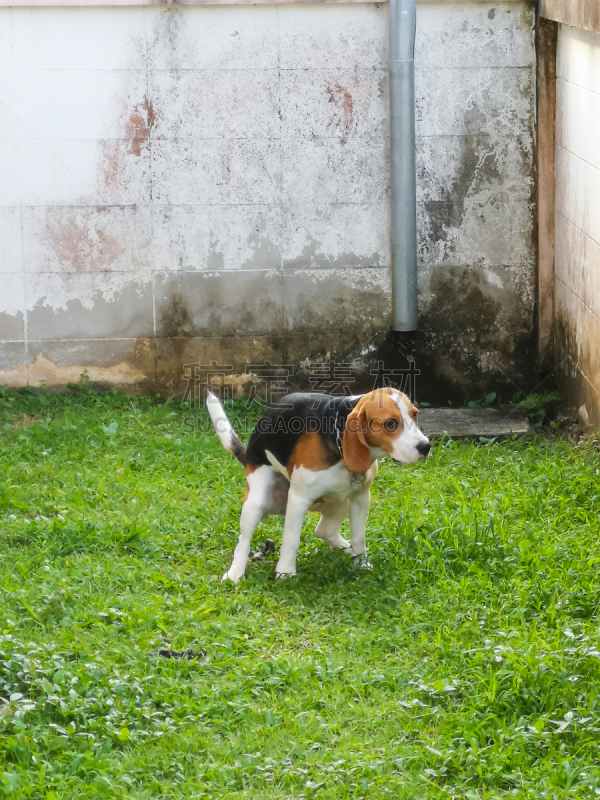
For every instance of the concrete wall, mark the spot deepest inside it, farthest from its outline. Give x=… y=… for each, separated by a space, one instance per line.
x=583 y=14
x=197 y=183
x=577 y=220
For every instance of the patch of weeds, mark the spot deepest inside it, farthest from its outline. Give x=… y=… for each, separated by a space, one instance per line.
x=484 y=402
x=540 y=408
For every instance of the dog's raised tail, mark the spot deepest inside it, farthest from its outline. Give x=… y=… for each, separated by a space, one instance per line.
x=223 y=429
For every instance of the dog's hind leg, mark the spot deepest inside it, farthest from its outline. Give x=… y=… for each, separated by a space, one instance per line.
x=328 y=529
x=257 y=504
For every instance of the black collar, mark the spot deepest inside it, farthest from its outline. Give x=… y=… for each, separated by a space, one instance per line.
x=343 y=408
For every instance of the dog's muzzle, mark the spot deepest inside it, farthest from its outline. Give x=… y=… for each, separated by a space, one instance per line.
x=423 y=449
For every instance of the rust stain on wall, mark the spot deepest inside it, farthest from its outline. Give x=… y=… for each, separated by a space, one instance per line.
x=353 y=101
x=137 y=131
x=111 y=161
x=138 y=127
x=89 y=249
x=342 y=99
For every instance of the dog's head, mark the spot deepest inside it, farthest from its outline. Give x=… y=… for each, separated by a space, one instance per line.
x=383 y=422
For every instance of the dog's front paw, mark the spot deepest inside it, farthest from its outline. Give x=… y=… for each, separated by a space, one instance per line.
x=233 y=574
x=281 y=575
x=361 y=560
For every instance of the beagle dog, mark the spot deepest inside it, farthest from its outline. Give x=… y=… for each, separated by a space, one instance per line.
x=318 y=452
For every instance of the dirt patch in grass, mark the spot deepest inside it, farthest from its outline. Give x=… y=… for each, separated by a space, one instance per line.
x=23 y=420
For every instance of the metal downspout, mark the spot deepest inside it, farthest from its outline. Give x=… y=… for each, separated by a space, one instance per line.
x=403 y=183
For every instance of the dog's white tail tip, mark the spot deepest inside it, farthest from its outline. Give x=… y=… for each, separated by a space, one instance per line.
x=223 y=428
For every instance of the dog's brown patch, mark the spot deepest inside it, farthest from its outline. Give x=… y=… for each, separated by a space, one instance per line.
x=312 y=453
x=249 y=469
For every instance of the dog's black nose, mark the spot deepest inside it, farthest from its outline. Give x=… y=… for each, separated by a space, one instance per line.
x=423 y=448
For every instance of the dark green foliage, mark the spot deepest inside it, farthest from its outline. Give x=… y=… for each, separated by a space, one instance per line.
x=485 y=402
x=539 y=408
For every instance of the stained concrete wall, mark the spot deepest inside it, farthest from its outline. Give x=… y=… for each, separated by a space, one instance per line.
x=577 y=220
x=187 y=184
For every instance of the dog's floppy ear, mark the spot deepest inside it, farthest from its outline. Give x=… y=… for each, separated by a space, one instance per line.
x=355 y=450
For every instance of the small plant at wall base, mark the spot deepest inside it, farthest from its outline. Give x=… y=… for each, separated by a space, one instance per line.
x=538 y=407
x=485 y=402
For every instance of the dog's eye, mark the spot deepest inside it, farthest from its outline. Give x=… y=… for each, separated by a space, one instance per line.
x=391 y=424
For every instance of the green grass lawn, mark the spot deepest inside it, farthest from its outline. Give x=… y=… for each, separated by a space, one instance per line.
x=466 y=664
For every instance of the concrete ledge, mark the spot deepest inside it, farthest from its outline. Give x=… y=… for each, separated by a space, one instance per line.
x=168 y=4
x=576 y=13
x=473 y=423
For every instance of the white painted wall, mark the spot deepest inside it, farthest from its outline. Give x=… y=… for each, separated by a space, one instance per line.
x=577 y=264
x=221 y=174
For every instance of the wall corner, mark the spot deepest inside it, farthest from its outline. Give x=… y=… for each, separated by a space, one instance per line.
x=546 y=35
